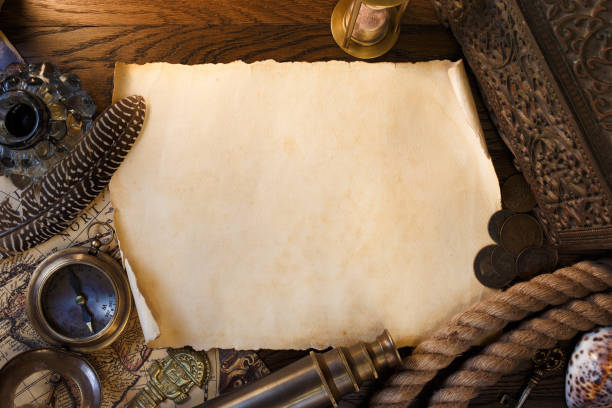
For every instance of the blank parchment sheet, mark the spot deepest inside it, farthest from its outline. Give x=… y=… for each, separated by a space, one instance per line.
x=296 y=205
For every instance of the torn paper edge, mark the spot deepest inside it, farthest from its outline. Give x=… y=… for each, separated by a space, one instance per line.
x=463 y=92
x=150 y=328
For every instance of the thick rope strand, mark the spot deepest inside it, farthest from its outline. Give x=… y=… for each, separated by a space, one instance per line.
x=505 y=356
x=470 y=327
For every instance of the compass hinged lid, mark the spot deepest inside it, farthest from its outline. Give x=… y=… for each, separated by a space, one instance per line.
x=68 y=365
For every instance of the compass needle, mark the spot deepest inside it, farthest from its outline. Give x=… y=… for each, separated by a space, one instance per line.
x=54 y=381
x=75 y=283
x=81 y=299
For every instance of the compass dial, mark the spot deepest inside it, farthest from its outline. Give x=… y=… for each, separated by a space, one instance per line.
x=78 y=301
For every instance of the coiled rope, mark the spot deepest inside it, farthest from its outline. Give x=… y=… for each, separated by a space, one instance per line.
x=469 y=328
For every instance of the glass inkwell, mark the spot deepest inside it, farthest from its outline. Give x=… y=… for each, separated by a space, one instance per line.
x=43 y=114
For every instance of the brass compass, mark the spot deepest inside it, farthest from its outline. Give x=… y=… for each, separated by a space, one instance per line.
x=80 y=297
x=69 y=369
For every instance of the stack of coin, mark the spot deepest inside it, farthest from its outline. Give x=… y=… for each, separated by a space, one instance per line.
x=516 y=195
x=519 y=232
x=535 y=261
x=494 y=267
x=520 y=249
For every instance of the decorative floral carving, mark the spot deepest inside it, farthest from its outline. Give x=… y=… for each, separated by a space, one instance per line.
x=533 y=118
x=584 y=30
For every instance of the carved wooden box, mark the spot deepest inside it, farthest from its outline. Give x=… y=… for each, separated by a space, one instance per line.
x=545 y=71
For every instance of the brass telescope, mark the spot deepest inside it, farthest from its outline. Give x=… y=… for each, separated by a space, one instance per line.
x=317 y=380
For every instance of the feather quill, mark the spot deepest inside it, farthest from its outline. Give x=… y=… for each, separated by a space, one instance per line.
x=49 y=206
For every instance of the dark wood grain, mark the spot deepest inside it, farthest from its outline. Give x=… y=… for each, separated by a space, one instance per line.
x=548 y=393
x=51 y=13
x=94 y=50
x=88 y=37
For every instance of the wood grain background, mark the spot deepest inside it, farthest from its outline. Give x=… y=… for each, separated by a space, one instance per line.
x=88 y=37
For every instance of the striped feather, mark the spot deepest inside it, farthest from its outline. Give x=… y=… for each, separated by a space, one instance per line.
x=10 y=217
x=48 y=207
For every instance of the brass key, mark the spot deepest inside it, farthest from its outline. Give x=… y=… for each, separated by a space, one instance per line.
x=545 y=362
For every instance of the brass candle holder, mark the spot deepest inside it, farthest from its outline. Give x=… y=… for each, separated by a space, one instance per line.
x=367 y=28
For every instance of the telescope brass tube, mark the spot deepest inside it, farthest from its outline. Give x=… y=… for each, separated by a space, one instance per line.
x=317 y=380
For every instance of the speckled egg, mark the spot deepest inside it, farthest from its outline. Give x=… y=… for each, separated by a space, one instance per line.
x=588 y=382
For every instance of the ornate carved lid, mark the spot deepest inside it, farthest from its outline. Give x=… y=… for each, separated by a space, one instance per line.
x=545 y=70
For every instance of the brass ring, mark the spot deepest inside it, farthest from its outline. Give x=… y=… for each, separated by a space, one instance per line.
x=97 y=235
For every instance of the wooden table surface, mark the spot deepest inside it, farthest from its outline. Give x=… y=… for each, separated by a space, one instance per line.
x=88 y=37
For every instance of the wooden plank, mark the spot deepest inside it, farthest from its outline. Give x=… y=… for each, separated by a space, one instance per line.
x=91 y=52
x=70 y=13
x=549 y=393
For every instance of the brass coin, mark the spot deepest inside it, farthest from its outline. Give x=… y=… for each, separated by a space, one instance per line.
x=504 y=264
x=536 y=261
x=484 y=270
x=516 y=195
x=495 y=223
x=520 y=231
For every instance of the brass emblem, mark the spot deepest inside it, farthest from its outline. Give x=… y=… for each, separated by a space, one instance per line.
x=172 y=378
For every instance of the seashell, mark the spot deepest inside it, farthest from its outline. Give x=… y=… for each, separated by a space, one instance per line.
x=588 y=382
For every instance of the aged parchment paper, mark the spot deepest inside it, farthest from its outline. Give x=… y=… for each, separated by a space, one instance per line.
x=295 y=205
